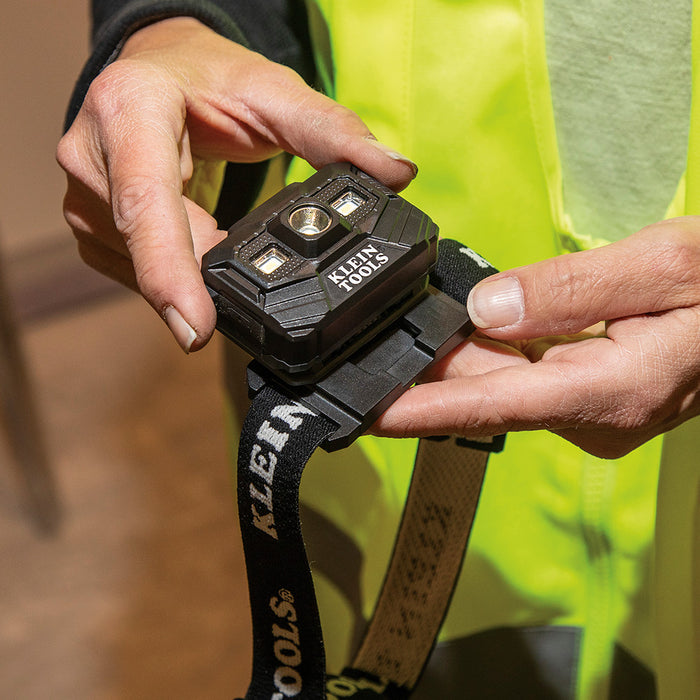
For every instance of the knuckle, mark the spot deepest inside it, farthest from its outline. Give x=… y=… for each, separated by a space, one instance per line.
x=76 y=214
x=338 y=119
x=676 y=249
x=278 y=74
x=67 y=153
x=133 y=201
x=288 y=76
x=103 y=97
x=109 y=90
x=75 y=220
x=126 y=89
x=275 y=79
x=567 y=279
x=682 y=257
x=562 y=291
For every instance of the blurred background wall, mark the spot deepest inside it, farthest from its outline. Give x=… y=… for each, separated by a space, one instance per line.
x=139 y=593
x=43 y=45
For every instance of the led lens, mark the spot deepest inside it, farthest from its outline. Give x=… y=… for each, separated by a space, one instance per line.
x=348 y=202
x=270 y=260
x=309 y=220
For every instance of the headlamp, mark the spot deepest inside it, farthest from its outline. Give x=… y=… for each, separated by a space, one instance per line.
x=326 y=285
x=320 y=269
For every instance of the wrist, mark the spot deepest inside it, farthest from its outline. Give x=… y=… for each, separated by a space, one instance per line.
x=162 y=33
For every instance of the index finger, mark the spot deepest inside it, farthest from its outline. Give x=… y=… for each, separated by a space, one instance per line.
x=144 y=158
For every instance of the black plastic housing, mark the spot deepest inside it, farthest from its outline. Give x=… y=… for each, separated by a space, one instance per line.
x=302 y=302
x=357 y=392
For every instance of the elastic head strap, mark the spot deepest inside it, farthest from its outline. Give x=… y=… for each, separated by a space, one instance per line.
x=426 y=562
x=279 y=436
x=277 y=440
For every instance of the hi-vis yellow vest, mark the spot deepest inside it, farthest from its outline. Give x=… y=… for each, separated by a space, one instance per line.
x=561 y=538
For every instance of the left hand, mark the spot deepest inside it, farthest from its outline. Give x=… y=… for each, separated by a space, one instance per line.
x=180 y=93
x=607 y=391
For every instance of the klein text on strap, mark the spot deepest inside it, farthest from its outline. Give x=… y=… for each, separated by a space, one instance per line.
x=282 y=429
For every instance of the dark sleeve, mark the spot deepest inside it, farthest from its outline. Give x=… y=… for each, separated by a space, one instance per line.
x=275 y=28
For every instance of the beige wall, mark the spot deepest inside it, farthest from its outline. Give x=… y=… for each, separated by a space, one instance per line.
x=43 y=44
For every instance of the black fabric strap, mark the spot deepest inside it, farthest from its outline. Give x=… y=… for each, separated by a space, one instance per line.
x=279 y=436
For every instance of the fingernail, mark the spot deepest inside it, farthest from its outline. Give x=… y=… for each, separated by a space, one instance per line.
x=496 y=304
x=183 y=332
x=392 y=153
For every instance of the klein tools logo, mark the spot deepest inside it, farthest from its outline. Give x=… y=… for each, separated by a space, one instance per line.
x=287 y=679
x=357 y=268
x=263 y=460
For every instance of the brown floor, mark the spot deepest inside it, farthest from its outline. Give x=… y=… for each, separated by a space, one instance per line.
x=141 y=593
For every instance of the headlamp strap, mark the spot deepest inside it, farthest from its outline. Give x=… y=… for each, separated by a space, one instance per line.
x=278 y=437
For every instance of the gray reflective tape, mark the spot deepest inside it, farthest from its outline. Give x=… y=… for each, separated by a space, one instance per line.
x=426 y=561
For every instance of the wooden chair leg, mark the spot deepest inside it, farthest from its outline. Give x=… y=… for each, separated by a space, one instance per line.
x=21 y=421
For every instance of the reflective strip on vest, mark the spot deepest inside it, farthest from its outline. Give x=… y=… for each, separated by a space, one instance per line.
x=568 y=538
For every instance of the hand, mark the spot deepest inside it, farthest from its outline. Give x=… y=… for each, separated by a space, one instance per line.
x=180 y=91
x=607 y=392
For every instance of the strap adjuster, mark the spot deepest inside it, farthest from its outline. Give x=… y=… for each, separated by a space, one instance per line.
x=492 y=444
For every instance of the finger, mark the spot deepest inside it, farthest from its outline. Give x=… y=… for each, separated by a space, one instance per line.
x=107 y=262
x=149 y=210
x=475 y=356
x=326 y=132
x=655 y=270
x=103 y=248
x=205 y=234
x=246 y=119
x=90 y=216
x=306 y=123
x=150 y=213
x=519 y=396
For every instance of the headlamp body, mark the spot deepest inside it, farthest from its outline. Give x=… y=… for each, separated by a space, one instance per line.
x=315 y=272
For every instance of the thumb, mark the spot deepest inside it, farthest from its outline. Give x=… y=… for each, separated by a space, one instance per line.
x=651 y=271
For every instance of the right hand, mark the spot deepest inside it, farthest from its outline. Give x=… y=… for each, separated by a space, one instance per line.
x=180 y=91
